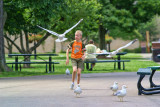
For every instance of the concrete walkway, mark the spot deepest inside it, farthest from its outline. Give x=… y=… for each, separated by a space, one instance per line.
x=53 y=91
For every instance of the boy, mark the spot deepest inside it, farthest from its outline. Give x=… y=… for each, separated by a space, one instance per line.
x=77 y=57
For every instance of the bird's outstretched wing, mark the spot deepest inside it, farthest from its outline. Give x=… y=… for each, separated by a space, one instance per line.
x=53 y=33
x=130 y=43
x=111 y=54
x=72 y=27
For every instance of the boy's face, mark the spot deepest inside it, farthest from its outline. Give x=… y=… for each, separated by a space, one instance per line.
x=78 y=36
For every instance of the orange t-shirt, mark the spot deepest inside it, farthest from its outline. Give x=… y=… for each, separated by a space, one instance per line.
x=77 y=49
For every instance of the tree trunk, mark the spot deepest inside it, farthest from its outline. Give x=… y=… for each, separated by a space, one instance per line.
x=27 y=59
x=3 y=66
x=102 y=32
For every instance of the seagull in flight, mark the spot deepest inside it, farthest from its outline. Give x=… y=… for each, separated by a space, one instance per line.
x=111 y=54
x=61 y=37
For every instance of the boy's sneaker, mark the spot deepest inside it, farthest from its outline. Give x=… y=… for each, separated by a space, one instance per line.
x=72 y=86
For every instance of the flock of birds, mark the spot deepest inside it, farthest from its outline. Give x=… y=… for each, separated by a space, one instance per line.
x=119 y=93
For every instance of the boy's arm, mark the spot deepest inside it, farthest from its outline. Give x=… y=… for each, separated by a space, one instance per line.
x=67 y=56
x=84 y=53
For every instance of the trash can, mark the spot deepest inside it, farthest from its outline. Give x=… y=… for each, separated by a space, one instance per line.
x=155 y=51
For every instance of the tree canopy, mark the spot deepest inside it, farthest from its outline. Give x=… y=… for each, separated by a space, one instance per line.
x=125 y=16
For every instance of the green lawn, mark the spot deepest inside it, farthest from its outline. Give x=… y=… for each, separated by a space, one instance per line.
x=36 y=69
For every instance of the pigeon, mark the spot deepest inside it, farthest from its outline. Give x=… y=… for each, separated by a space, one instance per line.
x=121 y=93
x=114 y=87
x=61 y=37
x=111 y=54
x=78 y=91
x=67 y=71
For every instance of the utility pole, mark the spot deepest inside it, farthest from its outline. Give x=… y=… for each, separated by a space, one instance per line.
x=148 y=43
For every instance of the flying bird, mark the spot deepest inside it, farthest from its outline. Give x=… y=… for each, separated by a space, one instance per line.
x=121 y=93
x=78 y=91
x=114 y=87
x=61 y=37
x=111 y=54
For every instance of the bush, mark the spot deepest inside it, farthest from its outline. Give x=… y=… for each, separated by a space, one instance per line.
x=136 y=50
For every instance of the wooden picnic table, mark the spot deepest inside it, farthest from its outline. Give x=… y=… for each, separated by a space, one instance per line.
x=17 y=60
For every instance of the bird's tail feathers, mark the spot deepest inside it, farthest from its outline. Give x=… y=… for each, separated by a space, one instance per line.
x=58 y=40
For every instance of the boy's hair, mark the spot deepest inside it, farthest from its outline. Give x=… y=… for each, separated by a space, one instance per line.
x=79 y=31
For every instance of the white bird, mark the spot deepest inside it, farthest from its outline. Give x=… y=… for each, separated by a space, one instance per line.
x=61 y=37
x=78 y=90
x=121 y=93
x=111 y=54
x=67 y=71
x=114 y=87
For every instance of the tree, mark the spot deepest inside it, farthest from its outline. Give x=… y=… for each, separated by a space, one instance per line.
x=3 y=66
x=151 y=26
x=57 y=15
x=125 y=15
x=54 y=15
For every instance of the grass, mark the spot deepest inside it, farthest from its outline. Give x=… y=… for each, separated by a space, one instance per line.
x=36 y=69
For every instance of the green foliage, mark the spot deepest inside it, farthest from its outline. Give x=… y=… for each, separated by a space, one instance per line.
x=136 y=50
x=119 y=33
x=151 y=26
x=128 y=15
x=56 y=15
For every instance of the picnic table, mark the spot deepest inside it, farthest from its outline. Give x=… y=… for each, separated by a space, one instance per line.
x=118 y=57
x=148 y=71
x=16 y=62
x=118 y=60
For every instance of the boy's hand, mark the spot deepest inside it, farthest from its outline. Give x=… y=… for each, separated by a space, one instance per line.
x=67 y=61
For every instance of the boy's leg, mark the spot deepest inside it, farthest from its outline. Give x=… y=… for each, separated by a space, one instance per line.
x=80 y=67
x=74 y=65
x=79 y=75
x=74 y=73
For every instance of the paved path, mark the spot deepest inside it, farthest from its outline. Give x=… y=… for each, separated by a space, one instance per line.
x=53 y=91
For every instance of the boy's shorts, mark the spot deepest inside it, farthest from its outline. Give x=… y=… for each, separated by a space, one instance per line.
x=77 y=62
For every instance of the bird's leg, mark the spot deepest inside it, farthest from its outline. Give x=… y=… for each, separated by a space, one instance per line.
x=122 y=99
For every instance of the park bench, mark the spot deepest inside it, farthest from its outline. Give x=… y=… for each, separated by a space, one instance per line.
x=104 y=61
x=47 y=63
x=16 y=63
x=147 y=71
